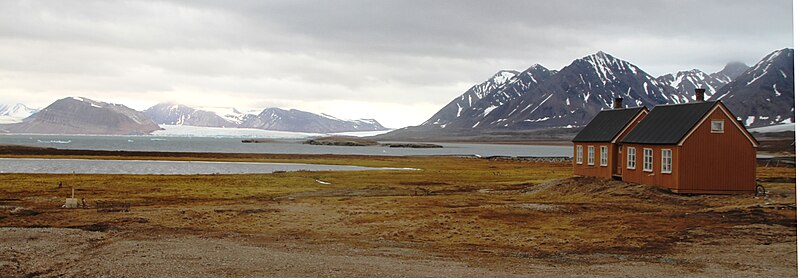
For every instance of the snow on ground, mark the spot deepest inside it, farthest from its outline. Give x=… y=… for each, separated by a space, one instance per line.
x=10 y=120
x=198 y=131
x=773 y=128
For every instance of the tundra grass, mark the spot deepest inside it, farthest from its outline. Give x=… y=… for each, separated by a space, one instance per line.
x=450 y=205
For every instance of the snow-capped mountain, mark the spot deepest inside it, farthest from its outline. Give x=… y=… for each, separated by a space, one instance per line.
x=570 y=97
x=302 y=121
x=177 y=114
x=481 y=99
x=455 y=108
x=574 y=94
x=268 y=119
x=228 y=113
x=78 y=115
x=538 y=97
x=684 y=83
x=764 y=94
x=16 y=113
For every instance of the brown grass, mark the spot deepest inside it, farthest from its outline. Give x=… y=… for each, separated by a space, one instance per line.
x=451 y=207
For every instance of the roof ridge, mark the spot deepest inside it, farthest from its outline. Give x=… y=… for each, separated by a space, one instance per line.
x=617 y=109
x=687 y=103
x=669 y=126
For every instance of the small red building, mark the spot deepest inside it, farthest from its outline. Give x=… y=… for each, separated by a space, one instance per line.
x=596 y=147
x=695 y=147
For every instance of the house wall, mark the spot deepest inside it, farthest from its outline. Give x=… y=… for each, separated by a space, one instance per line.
x=592 y=170
x=706 y=162
x=717 y=162
x=656 y=177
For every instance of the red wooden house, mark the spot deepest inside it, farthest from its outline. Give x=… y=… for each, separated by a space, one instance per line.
x=695 y=147
x=596 y=147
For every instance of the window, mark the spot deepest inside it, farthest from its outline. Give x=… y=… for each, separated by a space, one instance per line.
x=666 y=161
x=631 y=158
x=590 y=155
x=717 y=126
x=579 y=154
x=647 y=161
x=603 y=156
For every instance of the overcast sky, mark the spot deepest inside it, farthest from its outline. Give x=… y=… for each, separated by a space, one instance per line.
x=395 y=61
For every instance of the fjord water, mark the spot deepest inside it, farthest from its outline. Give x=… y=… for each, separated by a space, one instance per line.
x=234 y=145
x=160 y=167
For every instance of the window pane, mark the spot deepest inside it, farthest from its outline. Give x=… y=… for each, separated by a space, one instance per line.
x=666 y=161
x=717 y=126
x=631 y=158
x=603 y=156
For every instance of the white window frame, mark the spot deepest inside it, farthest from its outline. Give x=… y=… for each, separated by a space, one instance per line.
x=721 y=128
x=647 y=160
x=579 y=154
x=631 y=158
x=590 y=155
x=603 y=156
x=666 y=161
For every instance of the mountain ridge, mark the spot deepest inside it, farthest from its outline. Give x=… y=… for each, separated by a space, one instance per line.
x=571 y=96
x=268 y=119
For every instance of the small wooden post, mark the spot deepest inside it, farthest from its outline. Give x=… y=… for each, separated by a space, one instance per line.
x=71 y=202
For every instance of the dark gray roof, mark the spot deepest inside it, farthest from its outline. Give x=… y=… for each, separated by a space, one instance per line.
x=668 y=124
x=606 y=125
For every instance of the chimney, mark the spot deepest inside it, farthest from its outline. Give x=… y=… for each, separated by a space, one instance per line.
x=699 y=95
x=617 y=103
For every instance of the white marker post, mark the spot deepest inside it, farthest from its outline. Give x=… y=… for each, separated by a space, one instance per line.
x=71 y=202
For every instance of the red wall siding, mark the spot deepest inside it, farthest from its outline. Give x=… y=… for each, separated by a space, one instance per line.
x=717 y=162
x=638 y=175
x=592 y=170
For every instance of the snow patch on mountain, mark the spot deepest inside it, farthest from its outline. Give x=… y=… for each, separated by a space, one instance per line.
x=16 y=113
x=227 y=113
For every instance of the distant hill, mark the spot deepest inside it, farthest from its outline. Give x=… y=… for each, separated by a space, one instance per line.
x=78 y=115
x=269 y=119
x=177 y=114
x=302 y=121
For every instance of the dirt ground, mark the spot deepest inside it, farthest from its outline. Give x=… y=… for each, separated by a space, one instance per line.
x=455 y=217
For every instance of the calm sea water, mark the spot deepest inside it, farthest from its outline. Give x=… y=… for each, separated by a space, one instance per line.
x=234 y=145
x=94 y=166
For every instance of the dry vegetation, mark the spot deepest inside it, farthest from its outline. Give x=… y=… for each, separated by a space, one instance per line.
x=456 y=216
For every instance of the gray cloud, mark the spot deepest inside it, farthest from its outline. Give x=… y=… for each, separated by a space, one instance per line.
x=398 y=61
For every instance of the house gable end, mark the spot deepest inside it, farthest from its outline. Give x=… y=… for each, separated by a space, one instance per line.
x=729 y=115
x=630 y=124
x=607 y=125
